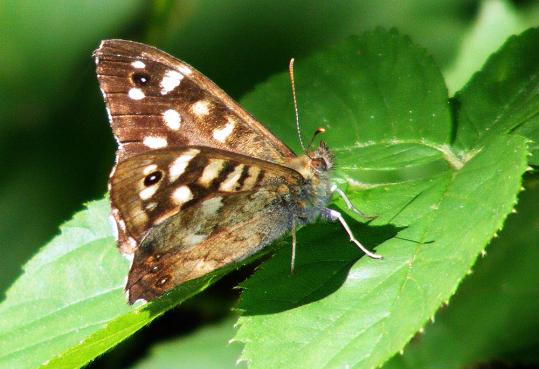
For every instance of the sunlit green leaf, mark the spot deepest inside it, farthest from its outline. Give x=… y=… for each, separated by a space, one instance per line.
x=337 y=312
x=68 y=306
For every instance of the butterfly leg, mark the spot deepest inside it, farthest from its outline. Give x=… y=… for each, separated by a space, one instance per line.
x=348 y=203
x=293 y=258
x=334 y=215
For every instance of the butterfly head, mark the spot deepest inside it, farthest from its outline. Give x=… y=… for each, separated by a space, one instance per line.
x=321 y=158
x=314 y=165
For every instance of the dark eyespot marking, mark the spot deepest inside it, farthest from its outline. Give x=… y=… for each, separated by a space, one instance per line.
x=140 y=79
x=153 y=178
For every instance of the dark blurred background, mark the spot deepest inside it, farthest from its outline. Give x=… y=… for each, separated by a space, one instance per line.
x=56 y=147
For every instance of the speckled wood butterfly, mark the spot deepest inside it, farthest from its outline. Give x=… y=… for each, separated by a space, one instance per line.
x=198 y=182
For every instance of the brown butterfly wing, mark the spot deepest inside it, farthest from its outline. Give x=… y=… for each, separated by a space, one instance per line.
x=155 y=100
x=218 y=231
x=150 y=188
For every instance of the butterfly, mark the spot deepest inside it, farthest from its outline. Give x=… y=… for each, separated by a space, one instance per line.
x=198 y=182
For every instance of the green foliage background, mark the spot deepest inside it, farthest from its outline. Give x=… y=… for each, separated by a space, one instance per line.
x=56 y=150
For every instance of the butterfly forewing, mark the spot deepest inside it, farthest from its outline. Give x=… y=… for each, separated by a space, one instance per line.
x=155 y=100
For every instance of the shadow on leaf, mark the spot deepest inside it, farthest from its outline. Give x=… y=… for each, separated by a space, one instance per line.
x=324 y=257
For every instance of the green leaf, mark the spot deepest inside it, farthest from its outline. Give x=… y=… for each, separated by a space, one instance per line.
x=503 y=97
x=497 y=20
x=385 y=105
x=206 y=348
x=494 y=314
x=68 y=306
x=335 y=311
x=64 y=293
x=379 y=305
x=360 y=91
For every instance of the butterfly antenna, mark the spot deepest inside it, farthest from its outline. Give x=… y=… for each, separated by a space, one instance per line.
x=293 y=86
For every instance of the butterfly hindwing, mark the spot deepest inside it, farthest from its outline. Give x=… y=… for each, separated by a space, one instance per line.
x=217 y=231
x=155 y=100
x=149 y=188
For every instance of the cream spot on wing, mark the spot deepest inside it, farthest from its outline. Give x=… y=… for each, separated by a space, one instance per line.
x=138 y=302
x=138 y=64
x=132 y=242
x=148 y=192
x=211 y=206
x=201 y=108
x=155 y=142
x=251 y=178
x=181 y=195
x=185 y=70
x=230 y=182
x=150 y=206
x=148 y=169
x=172 y=119
x=193 y=239
x=136 y=94
x=178 y=166
x=221 y=134
x=170 y=81
x=121 y=225
x=211 y=171
x=109 y=114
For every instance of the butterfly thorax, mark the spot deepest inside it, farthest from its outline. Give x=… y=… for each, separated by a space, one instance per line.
x=315 y=167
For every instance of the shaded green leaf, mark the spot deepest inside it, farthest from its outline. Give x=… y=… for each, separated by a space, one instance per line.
x=496 y=21
x=207 y=348
x=27 y=80
x=494 y=314
x=503 y=97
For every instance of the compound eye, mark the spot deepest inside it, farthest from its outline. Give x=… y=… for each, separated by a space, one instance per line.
x=319 y=164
